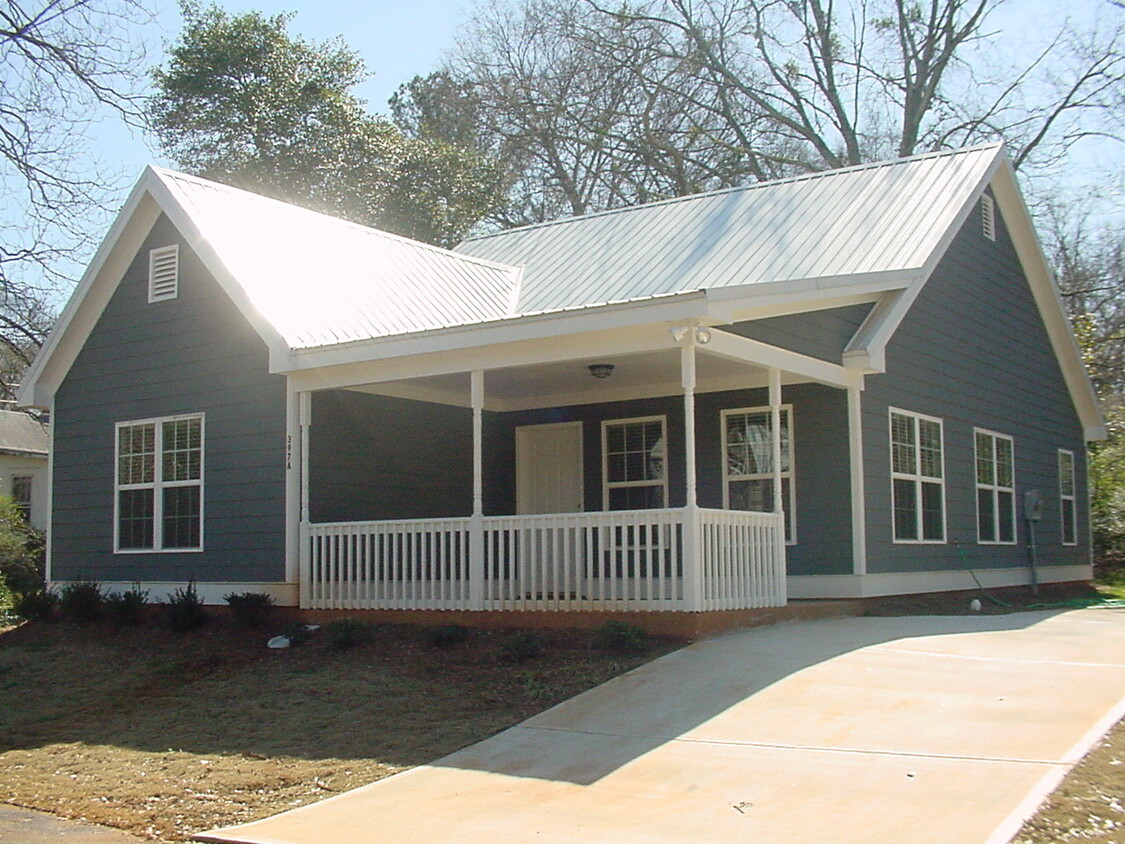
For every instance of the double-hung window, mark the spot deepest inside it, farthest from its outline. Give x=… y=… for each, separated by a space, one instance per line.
x=1067 y=498
x=159 y=489
x=917 y=478
x=21 y=494
x=996 y=488
x=635 y=471
x=748 y=462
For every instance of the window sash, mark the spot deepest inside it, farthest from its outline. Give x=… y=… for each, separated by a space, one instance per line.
x=748 y=462
x=1068 y=502
x=996 y=488
x=158 y=499
x=635 y=463
x=917 y=477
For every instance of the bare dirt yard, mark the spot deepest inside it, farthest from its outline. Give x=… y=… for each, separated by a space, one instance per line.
x=165 y=735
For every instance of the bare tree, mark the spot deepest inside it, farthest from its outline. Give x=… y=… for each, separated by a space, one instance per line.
x=65 y=64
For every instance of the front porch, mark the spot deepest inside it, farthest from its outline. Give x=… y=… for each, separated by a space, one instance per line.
x=683 y=559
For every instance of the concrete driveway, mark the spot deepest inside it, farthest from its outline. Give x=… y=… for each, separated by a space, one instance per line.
x=905 y=730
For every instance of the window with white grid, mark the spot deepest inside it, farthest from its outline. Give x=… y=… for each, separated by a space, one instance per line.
x=996 y=488
x=917 y=477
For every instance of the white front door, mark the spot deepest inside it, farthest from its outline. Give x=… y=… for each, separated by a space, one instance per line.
x=549 y=468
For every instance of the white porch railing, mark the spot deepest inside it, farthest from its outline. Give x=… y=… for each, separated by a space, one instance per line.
x=621 y=560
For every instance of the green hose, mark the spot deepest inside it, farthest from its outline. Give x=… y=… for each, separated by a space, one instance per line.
x=1069 y=603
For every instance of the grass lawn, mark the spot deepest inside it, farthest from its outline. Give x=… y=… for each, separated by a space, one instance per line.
x=165 y=735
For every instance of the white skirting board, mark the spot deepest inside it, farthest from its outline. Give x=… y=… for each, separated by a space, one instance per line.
x=911 y=583
x=283 y=594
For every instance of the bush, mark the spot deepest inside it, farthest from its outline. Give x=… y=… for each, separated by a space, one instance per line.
x=184 y=610
x=126 y=607
x=81 y=601
x=251 y=609
x=36 y=606
x=22 y=551
x=521 y=646
x=445 y=635
x=619 y=637
x=345 y=632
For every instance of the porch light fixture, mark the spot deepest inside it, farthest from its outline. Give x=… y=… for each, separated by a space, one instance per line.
x=601 y=370
x=703 y=336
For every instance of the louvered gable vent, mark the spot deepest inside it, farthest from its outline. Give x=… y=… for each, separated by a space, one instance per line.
x=988 y=216
x=164 y=273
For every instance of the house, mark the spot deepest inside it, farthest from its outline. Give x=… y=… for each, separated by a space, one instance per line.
x=23 y=464
x=852 y=383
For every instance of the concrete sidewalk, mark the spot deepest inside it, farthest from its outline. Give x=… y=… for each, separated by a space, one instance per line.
x=922 y=730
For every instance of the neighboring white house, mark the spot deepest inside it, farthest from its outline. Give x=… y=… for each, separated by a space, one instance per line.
x=23 y=463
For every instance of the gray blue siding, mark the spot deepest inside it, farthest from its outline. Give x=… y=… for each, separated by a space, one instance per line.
x=973 y=351
x=819 y=334
x=192 y=354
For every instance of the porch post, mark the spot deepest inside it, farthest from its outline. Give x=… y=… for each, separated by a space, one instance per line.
x=775 y=442
x=693 y=565
x=775 y=437
x=476 y=524
x=304 y=422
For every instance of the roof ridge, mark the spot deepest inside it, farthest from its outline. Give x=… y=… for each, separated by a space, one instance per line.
x=819 y=174
x=209 y=183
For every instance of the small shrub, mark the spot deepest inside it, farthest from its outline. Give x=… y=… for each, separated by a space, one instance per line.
x=445 y=635
x=184 y=610
x=81 y=601
x=346 y=632
x=620 y=637
x=521 y=646
x=22 y=551
x=251 y=609
x=126 y=607
x=35 y=606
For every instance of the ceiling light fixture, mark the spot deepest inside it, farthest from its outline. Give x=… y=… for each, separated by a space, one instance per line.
x=601 y=370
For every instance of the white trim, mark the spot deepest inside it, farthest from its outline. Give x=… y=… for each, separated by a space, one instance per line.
x=1072 y=498
x=745 y=350
x=912 y=583
x=284 y=594
x=995 y=488
x=158 y=484
x=787 y=411
x=49 y=520
x=855 y=470
x=916 y=477
x=663 y=482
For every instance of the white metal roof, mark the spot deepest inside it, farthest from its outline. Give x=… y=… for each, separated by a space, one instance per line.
x=319 y=280
x=873 y=218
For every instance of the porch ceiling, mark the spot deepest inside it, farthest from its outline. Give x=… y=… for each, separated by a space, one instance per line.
x=638 y=375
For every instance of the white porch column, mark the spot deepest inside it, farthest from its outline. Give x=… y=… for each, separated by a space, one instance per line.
x=855 y=455
x=778 y=506
x=300 y=495
x=476 y=525
x=692 y=562
x=775 y=436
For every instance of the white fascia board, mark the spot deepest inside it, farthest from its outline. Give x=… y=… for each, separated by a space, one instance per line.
x=484 y=337
x=757 y=353
x=541 y=348
x=86 y=304
x=1047 y=299
x=181 y=218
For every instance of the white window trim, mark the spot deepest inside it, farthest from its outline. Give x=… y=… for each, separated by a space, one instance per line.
x=995 y=488
x=1072 y=498
x=916 y=478
x=607 y=485
x=159 y=254
x=791 y=503
x=157 y=484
